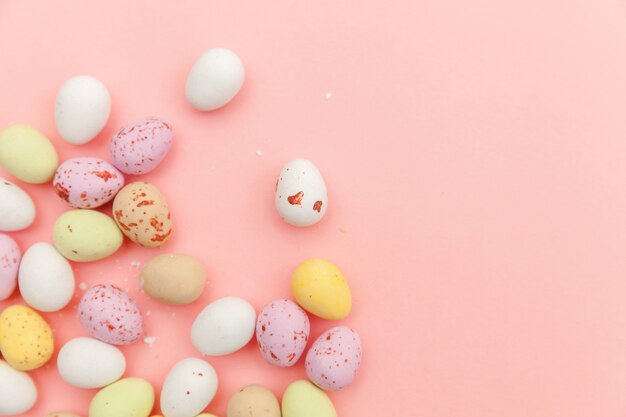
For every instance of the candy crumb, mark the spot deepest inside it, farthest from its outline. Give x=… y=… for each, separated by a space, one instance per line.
x=258 y=152
x=135 y=264
x=149 y=340
x=328 y=95
x=82 y=286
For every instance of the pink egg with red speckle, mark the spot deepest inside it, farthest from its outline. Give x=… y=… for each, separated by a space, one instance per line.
x=87 y=182
x=334 y=358
x=282 y=331
x=110 y=315
x=140 y=146
x=9 y=264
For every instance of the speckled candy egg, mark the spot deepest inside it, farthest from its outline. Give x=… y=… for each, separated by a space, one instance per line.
x=9 y=264
x=110 y=315
x=143 y=215
x=26 y=340
x=140 y=146
x=301 y=198
x=87 y=182
x=282 y=331
x=334 y=358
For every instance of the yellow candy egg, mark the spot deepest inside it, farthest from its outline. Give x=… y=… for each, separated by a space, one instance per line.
x=321 y=289
x=26 y=340
x=303 y=399
x=128 y=397
x=27 y=154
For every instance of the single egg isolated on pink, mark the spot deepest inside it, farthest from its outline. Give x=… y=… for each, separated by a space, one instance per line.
x=140 y=146
x=10 y=256
x=334 y=358
x=109 y=314
x=301 y=197
x=87 y=182
x=282 y=331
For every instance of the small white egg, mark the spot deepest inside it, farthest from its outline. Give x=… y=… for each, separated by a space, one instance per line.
x=17 y=210
x=189 y=387
x=301 y=197
x=18 y=392
x=84 y=362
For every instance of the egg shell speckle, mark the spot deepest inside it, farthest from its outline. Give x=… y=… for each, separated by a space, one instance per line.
x=140 y=146
x=334 y=358
x=87 y=182
x=282 y=331
x=26 y=340
x=110 y=315
x=9 y=264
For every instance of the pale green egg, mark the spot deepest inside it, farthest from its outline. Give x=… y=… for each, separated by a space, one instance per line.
x=303 y=399
x=128 y=397
x=27 y=154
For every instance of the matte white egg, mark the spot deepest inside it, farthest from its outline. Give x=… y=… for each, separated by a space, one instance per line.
x=215 y=79
x=82 y=109
x=18 y=392
x=85 y=362
x=224 y=326
x=17 y=210
x=45 y=278
x=301 y=197
x=189 y=387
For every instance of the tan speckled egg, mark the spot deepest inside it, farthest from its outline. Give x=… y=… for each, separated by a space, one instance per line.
x=26 y=340
x=62 y=414
x=173 y=278
x=253 y=401
x=141 y=211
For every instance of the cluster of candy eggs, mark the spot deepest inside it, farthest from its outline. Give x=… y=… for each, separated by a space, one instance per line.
x=140 y=212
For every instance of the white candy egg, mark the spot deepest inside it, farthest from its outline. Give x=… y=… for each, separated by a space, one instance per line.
x=45 y=278
x=82 y=109
x=301 y=197
x=18 y=392
x=224 y=326
x=89 y=363
x=189 y=387
x=17 y=210
x=215 y=78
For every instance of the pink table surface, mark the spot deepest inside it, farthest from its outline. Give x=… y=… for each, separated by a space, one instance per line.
x=475 y=153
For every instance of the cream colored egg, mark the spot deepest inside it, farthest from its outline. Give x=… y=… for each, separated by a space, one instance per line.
x=18 y=392
x=85 y=362
x=128 y=397
x=27 y=154
x=303 y=399
x=253 y=401
x=173 y=278
x=17 y=210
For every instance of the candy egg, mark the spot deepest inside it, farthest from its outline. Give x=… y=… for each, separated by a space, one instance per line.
x=224 y=326
x=140 y=146
x=321 y=289
x=86 y=235
x=17 y=210
x=26 y=341
x=82 y=109
x=46 y=278
x=215 y=79
x=334 y=358
x=189 y=387
x=87 y=182
x=89 y=363
x=110 y=315
x=282 y=331
x=301 y=198
x=303 y=399
x=173 y=278
x=18 y=392
x=128 y=397
x=143 y=215
x=9 y=264
x=27 y=154
x=253 y=401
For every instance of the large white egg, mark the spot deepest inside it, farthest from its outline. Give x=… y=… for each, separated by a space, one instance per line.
x=215 y=78
x=89 y=363
x=301 y=197
x=189 y=387
x=45 y=278
x=82 y=109
x=18 y=392
x=17 y=210
x=224 y=326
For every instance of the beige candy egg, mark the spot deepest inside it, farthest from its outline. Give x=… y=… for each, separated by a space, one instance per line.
x=173 y=278
x=253 y=401
x=141 y=211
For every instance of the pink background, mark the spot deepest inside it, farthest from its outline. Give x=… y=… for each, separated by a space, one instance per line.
x=475 y=155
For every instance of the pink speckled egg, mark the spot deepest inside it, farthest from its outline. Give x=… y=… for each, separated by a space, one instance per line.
x=110 y=315
x=140 y=146
x=9 y=264
x=334 y=358
x=282 y=330
x=87 y=182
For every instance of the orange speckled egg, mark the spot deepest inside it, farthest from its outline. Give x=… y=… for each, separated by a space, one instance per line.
x=26 y=340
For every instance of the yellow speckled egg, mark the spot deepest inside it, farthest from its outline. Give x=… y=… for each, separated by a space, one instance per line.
x=303 y=399
x=27 y=154
x=63 y=414
x=142 y=213
x=86 y=235
x=26 y=340
x=253 y=401
x=128 y=397
x=321 y=289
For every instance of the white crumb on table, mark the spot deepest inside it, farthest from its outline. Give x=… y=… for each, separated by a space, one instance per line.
x=135 y=264
x=342 y=229
x=258 y=152
x=328 y=95
x=149 y=340
x=212 y=167
x=148 y=313
x=82 y=286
